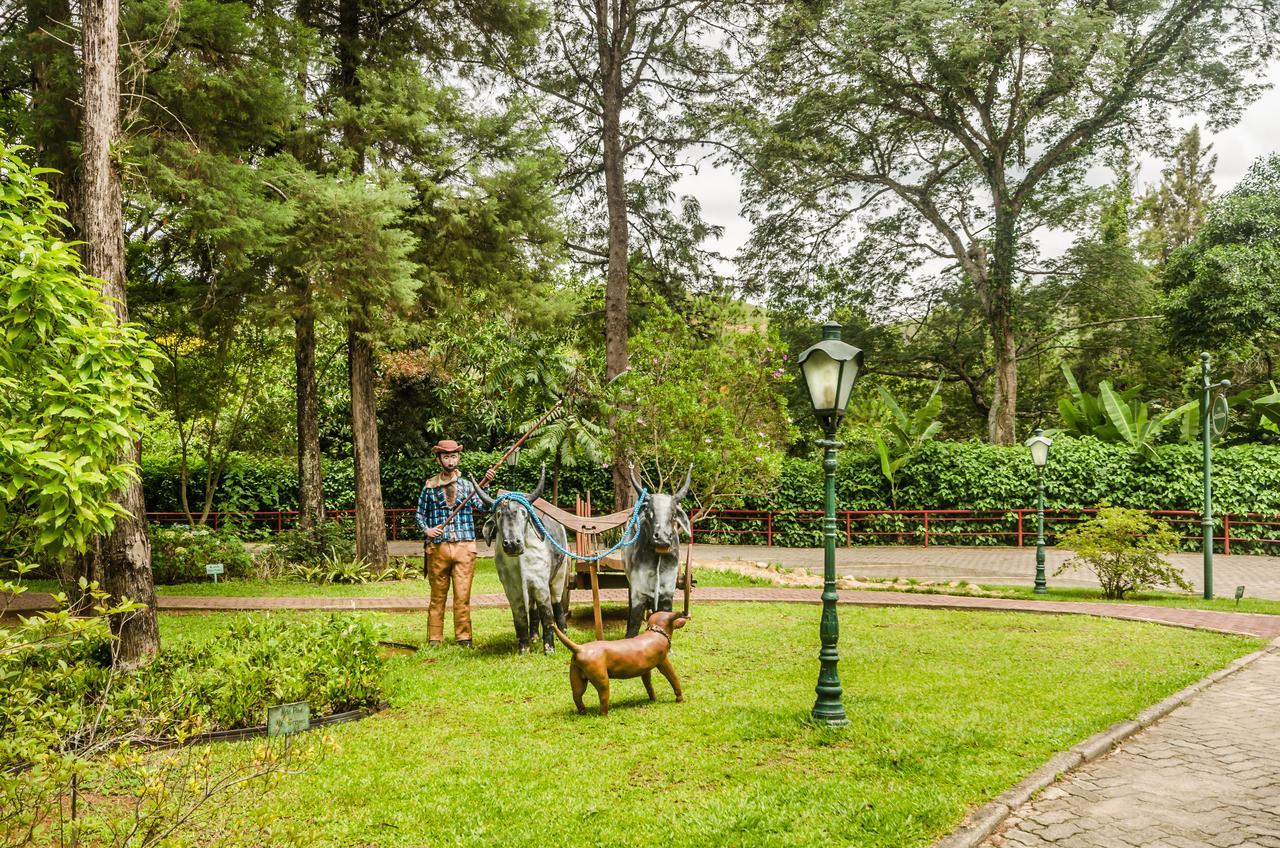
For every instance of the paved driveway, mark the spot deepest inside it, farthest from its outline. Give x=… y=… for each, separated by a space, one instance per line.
x=1260 y=575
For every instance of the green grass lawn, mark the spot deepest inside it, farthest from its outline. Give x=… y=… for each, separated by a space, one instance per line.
x=948 y=709
x=1026 y=593
x=486 y=581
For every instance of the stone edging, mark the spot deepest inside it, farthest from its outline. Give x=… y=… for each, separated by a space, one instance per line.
x=983 y=821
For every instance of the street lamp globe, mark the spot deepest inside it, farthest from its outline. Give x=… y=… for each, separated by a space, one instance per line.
x=1039 y=445
x=830 y=369
x=513 y=457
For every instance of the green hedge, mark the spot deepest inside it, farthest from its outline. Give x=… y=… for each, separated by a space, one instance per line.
x=944 y=475
x=1080 y=473
x=257 y=483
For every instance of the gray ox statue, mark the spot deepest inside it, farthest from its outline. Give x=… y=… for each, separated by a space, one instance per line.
x=532 y=571
x=652 y=562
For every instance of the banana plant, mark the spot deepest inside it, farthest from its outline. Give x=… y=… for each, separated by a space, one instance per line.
x=1083 y=413
x=1268 y=407
x=1120 y=418
x=1132 y=424
x=899 y=436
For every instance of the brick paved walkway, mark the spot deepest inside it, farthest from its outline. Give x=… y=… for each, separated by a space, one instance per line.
x=1260 y=575
x=1206 y=775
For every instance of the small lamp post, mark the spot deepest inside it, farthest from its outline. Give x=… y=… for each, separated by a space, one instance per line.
x=513 y=456
x=1208 y=430
x=829 y=368
x=1039 y=445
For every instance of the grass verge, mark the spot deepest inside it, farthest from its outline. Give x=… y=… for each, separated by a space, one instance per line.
x=948 y=709
x=1073 y=593
x=486 y=581
x=1159 y=599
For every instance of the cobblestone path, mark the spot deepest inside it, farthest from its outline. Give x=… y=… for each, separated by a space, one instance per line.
x=1206 y=775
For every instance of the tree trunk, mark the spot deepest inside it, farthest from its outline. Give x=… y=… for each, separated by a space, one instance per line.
x=371 y=532
x=310 y=474
x=54 y=112
x=1002 y=417
x=184 y=476
x=615 y=292
x=555 y=474
x=127 y=551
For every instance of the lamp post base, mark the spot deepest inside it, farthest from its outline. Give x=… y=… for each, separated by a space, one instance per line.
x=829 y=716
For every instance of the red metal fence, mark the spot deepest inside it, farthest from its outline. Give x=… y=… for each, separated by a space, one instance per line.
x=1243 y=533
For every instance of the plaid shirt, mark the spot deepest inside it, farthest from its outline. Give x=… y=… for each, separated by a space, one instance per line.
x=433 y=510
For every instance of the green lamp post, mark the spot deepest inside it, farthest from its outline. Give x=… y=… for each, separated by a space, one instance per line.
x=830 y=368
x=1039 y=445
x=1213 y=421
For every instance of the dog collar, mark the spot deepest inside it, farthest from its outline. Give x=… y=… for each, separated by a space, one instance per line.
x=653 y=628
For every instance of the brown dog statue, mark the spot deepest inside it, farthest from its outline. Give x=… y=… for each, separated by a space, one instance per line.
x=638 y=656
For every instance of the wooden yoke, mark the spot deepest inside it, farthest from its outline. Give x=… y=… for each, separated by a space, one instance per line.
x=585 y=526
x=588 y=524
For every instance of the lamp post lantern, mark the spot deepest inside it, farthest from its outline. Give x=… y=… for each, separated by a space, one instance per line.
x=1039 y=445
x=829 y=368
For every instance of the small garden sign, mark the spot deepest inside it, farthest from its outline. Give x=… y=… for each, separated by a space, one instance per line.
x=284 y=719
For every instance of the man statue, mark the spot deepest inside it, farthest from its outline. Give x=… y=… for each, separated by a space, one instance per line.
x=451 y=547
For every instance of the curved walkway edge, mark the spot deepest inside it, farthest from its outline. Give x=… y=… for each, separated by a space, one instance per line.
x=1184 y=775
x=1238 y=623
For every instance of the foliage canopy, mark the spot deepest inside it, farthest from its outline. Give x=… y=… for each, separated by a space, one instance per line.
x=74 y=386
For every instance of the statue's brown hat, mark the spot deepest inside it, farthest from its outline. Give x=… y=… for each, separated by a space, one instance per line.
x=447 y=446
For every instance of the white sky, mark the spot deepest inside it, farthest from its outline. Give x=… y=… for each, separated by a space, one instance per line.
x=1258 y=133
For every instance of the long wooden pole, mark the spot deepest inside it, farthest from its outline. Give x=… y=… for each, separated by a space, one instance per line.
x=488 y=475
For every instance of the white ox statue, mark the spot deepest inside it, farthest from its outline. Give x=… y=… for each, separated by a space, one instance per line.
x=532 y=571
x=652 y=562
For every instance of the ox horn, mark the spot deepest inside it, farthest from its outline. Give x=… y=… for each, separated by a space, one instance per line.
x=542 y=482
x=684 y=488
x=485 y=499
x=635 y=481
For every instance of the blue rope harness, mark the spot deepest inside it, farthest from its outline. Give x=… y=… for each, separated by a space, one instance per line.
x=629 y=534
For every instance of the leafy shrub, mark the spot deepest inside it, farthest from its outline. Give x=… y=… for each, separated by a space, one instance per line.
x=329 y=540
x=179 y=553
x=1124 y=548
x=333 y=663
x=51 y=670
x=69 y=722
x=74 y=386
x=354 y=570
x=337 y=569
